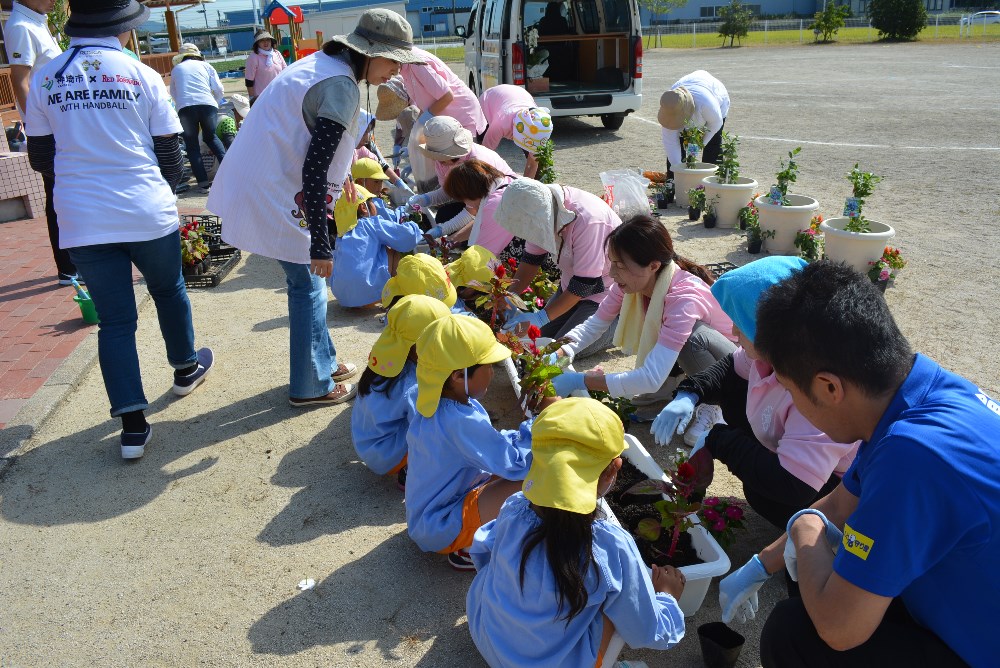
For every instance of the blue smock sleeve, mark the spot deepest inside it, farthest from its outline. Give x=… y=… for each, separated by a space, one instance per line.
x=504 y=453
x=402 y=237
x=482 y=545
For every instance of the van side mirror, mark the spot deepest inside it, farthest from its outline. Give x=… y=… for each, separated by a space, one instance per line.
x=460 y=32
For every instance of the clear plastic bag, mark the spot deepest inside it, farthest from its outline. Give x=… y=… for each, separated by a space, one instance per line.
x=625 y=192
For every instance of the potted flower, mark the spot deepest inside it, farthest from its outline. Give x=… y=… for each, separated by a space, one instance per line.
x=195 y=258
x=537 y=63
x=884 y=269
x=696 y=202
x=853 y=238
x=496 y=297
x=785 y=214
x=731 y=189
x=711 y=217
x=750 y=221
x=690 y=174
x=809 y=241
x=663 y=194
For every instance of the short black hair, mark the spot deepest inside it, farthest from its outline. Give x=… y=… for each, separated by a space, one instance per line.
x=830 y=317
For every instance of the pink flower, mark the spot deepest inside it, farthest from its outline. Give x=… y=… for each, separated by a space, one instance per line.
x=884 y=276
x=712 y=515
x=720 y=525
x=734 y=513
x=539 y=303
x=711 y=501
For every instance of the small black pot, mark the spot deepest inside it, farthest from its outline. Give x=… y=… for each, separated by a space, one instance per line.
x=710 y=220
x=754 y=245
x=662 y=201
x=693 y=213
x=881 y=285
x=743 y=224
x=720 y=645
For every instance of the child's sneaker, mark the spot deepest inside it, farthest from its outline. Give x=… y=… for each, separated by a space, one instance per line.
x=705 y=417
x=460 y=561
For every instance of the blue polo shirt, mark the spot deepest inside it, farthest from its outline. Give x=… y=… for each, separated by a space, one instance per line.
x=927 y=525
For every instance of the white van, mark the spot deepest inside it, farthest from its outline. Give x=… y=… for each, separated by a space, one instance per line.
x=576 y=57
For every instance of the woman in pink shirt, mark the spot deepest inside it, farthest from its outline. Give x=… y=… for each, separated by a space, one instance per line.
x=263 y=65
x=438 y=91
x=784 y=462
x=665 y=310
x=511 y=113
x=480 y=187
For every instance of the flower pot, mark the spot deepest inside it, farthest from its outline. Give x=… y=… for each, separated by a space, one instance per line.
x=662 y=202
x=754 y=245
x=720 y=645
x=729 y=198
x=785 y=221
x=710 y=219
x=693 y=213
x=881 y=285
x=686 y=178
x=857 y=249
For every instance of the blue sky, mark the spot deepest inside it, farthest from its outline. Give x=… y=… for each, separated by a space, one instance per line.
x=191 y=17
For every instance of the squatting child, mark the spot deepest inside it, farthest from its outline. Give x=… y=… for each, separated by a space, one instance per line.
x=419 y=274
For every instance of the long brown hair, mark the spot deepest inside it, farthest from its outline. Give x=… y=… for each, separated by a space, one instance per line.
x=646 y=240
x=471 y=180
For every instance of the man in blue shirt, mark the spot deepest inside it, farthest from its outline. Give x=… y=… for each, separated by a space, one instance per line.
x=912 y=581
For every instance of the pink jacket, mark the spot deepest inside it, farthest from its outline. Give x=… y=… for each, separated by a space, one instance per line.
x=427 y=83
x=500 y=106
x=803 y=450
x=258 y=71
x=490 y=235
x=688 y=301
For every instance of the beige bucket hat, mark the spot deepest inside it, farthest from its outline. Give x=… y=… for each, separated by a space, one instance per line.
x=676 y=107
x=392 y=99
x=187 y=50
x=382 y=33
x=446 y=139
x=535 y=212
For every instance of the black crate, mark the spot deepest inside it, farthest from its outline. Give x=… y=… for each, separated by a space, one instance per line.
x=223 y=261
x=719 y=268
x=210 y=227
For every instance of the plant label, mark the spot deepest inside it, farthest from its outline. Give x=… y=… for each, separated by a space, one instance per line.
x=775 y=195
x=852 y=207
x=691 y=152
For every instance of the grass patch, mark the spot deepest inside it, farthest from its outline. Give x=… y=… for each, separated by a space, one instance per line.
x=805 y=36
x=449 y=54
x=226 y=65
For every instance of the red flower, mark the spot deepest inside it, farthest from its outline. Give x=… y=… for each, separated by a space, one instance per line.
x=534 y=332
x=534 y=349
x=685 y=471
x=512 y=262
x=500 y=271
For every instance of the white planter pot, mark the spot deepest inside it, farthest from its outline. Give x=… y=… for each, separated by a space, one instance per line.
x=685 y=179
x=730 y=198
x=785 y=221
x=855 y=248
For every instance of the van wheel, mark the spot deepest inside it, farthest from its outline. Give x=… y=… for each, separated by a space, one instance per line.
x=612 y=121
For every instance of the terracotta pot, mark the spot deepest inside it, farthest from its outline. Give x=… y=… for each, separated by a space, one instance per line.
x=785 y=221
x=729 y=198
x=857 y=249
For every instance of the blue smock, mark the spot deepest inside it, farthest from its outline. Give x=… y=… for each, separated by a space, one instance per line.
x=361 y=261
x=379 y=421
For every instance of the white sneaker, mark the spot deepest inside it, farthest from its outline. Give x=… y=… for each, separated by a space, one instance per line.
x=705 y=417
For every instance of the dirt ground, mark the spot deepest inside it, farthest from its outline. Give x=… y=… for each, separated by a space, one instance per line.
x=192 y=555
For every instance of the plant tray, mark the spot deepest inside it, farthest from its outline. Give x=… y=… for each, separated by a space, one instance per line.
x=223 y=261
x=719 y=268
x=211 y=228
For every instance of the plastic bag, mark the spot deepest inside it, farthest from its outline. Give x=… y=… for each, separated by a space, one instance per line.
x=424 y=174
x=625 y=192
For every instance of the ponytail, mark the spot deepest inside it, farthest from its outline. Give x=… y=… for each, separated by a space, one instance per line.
x=645 y=240
x=371 y=381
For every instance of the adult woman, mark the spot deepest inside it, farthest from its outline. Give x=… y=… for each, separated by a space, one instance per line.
x=511 y=113
x=437 y=91
x=449 y=144
x=311 y=111
x=697 y=99
x=479 y=186
x=572 y=225
x=197 y=90
x=666 y=315
x=263 y=65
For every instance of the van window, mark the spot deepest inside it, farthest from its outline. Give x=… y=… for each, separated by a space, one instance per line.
x=586 y=12
x=617 y=16
x=471 y=30
x=495 y=15
x=551 y=18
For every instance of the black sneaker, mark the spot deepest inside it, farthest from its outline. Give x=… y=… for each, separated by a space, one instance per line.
x=184 y=385
x=460 y=561
x=401 y=479
x=134 y=445
x=67 y=279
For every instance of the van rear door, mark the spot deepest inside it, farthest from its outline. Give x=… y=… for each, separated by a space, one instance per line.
x=495 y=16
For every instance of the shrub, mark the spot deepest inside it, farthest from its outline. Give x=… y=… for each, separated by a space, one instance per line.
x=830 y=20
x=736 y=20
x=898 y=19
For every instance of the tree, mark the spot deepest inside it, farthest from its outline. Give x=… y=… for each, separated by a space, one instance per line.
x=736 y=20
x=830 y=20
x=898 y=19
x=57 y=22
x=659 y=7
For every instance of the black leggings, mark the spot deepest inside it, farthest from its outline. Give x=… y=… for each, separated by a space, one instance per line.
x=789 y=640
x=64 y=265
x=582 y=310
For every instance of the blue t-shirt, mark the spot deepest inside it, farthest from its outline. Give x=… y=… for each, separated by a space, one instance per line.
x=514 y=625
x=927 y=525
x=379 y=421
x=361 y=262
x=449 y=455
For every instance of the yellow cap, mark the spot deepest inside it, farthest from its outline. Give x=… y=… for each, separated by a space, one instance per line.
x=366 y=168
x=472 y=265
x=420 y=274
x=572 y=442
x=449 y=344
x=407 y=320
x=345 y=212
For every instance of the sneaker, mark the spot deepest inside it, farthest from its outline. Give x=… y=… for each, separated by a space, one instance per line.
x=67 y=279
x=344 y=371
x=460 y=561
x=341 y=393
x=401 y=479
x=705 y=417
x=134 y=445
x=184 y=385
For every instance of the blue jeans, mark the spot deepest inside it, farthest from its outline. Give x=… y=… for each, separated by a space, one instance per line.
x=108 y=268
x=312 y=357
x=203 y=116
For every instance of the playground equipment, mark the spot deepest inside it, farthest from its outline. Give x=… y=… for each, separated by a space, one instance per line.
x=292 y=46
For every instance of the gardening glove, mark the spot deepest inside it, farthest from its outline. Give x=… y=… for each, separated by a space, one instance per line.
x=418 y=202
x=674 y=417
x=834 y=536
x=738 y=591
x=568 y=382
x=538 y=319
x=434 y=232
x=424 y=117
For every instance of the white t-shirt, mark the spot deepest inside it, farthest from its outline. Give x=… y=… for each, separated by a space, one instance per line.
x=195 y=82
x=28 y=40
x=104 y=108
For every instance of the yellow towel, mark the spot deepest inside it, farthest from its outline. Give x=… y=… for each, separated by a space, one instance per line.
x=638 y=330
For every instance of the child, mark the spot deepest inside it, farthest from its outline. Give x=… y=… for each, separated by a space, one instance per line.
x=475 y=264
x=459 y=468
x=419 y=274
x=361 y=256
x=386 y=400
x=556 y=579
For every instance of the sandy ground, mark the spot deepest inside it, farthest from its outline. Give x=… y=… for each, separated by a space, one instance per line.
x=192 y=555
